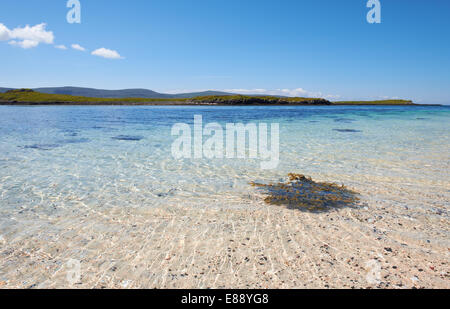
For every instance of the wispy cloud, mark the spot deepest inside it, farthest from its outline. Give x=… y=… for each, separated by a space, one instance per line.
x=5 y=33
x=78 y=47
x=25 y=44
x=178 y=91
x=106 y=53
x=297 y=92
x=31 y=36
x=27 y=37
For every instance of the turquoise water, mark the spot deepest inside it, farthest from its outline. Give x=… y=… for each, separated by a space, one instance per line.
x=121 y=156
x=100 y=185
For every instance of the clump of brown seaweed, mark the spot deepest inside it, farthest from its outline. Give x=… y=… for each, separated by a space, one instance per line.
x=303 y=193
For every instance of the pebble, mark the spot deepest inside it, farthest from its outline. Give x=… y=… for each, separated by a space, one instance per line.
x=126 y=283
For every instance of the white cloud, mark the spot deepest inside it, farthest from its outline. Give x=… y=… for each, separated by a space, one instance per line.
x=178 y=91
x=63 y=47
x=27 y=37
x=332 y=97
x=24 y=44
x=297 y=92
x=388 y=97
x=106 y=53
x=5 y=33
x=78 y=47
x=248 y=91
x=36 y=33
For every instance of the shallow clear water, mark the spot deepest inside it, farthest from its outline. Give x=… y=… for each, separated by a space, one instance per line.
x=99 y=184
x=121 y=156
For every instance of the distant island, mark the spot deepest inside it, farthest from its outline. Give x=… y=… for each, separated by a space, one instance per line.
x=32 y=97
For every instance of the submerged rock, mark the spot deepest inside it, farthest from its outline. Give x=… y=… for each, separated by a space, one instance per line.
x=75 y=141
x=347 y=130
x=127 y=138
x=42 y=146
x=166 y=194
x=344 y=120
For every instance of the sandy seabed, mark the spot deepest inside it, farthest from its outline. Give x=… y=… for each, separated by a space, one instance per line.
x=90 y=197
x=383 y=243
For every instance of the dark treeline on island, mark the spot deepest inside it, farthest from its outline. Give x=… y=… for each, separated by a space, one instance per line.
x=31 y=97
x=257 y=100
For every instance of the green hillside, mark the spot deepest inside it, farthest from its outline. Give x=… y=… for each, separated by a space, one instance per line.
x=32 y=97
x=28 y=96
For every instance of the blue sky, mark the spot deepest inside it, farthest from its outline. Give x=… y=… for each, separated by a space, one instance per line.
x=313 y=47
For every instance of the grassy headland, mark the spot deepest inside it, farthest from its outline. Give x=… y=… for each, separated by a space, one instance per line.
x=30 y=97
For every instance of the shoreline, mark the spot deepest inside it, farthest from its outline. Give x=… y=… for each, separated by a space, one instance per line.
x=30 y=97
x=176 y=103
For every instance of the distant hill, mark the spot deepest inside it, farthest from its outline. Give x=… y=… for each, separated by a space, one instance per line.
x=31 y=97
x=101 y=93
x=200 y=94
x=219 y=97
x=116 y=94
